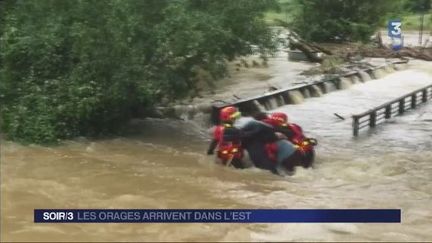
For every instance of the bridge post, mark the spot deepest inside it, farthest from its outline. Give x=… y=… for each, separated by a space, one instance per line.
x=402 y=106
x=424 y=95
x=355 y=126
x=388 y=112
x=414 y=100
x=372 y=121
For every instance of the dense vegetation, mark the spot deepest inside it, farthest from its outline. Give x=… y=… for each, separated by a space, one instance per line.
x=347 y=20
x=71 y=68
x=340 y=20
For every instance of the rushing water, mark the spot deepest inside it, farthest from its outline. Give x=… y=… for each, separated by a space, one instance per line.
x=161 y=164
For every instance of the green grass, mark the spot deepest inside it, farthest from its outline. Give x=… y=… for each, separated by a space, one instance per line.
x=271 y=17
x=412 y=22
x=283 y=14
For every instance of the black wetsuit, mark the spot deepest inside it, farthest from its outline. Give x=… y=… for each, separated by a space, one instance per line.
x=255 y=135
x=285 y=131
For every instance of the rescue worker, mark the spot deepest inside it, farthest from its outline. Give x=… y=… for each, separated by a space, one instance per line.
x=227 y=138
x=255 y=135
x=294 y=134
x=292 y=131
x=279 y=121
x=281 y=152
x=267 y=149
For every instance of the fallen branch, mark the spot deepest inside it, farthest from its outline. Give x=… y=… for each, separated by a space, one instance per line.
x=339 y=116
x=321 y=49
x=303 y=47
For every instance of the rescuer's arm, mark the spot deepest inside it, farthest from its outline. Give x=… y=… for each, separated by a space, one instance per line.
x=286 y=131
x=281 y=135
x=212 y=146
x=250 y=130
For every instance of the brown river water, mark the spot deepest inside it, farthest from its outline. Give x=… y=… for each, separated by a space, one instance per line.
x=162 y=164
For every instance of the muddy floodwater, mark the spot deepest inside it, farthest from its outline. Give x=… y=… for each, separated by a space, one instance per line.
x=162 y=164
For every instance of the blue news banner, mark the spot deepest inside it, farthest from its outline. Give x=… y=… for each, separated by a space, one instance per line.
x=217 y=215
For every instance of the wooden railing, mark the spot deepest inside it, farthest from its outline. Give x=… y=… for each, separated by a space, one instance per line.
x=390 y=109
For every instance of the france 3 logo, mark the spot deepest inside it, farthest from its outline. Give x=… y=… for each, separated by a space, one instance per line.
x=395 y=33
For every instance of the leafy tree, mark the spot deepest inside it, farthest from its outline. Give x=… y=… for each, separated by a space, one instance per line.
x=243 y=19
x=73 y=68
x=418 y=6
x=340 y=20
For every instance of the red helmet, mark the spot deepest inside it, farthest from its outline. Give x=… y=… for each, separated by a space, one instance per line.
x=280 y=118
x=229 y=114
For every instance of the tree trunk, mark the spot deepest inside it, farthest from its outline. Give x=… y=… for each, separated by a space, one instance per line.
x=307 y=50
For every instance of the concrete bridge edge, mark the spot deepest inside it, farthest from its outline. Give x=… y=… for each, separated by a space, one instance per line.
x=280 y=97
